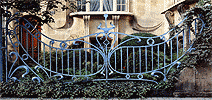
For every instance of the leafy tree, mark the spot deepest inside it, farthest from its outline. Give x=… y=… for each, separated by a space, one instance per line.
x=33 y=7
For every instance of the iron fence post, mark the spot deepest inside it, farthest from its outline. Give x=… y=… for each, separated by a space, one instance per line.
x=1 y=54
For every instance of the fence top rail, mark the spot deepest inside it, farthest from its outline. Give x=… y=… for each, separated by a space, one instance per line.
x=105 y=54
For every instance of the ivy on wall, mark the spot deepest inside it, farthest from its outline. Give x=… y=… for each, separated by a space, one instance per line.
x=201 y=54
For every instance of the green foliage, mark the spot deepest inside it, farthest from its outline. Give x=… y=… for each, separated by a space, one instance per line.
x=143 y=42
x=203 y=40
x=137 y=58
x=203 y=2
x=53 y=88
x=64 y=59
x=135 y=61
x=33 y=7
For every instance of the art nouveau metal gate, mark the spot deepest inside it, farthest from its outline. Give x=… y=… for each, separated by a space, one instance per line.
x=152 y=59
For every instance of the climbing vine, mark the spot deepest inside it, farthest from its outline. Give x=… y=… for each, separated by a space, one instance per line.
x=201 y=52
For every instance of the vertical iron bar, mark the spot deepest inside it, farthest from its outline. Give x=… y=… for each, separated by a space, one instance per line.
x=190 y=37
x=171 y=51
x=158 y=57
x=183 y=40
x=177 y=47
x=152 y=57
x=105 y=15
x=56 y=60
x=32 y=47
x=1 y=52
x=92 y=61
x=164 y=57
x=38 y=47
x=86 y=72
x=80 y=61
x=127 y=62
x=133 y=59
x=164 y=54
x=74 y=61
x=44 y=55
x=115 y=60
x=5 y=23
x=62 y=60
x=50 y=51
x=140 y=59
x=121 y=59
x=106 y=60
x=146 y=57
x=68 y=60
x=97 y=61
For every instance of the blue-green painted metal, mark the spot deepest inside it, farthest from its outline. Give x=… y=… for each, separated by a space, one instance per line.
x=57 y=59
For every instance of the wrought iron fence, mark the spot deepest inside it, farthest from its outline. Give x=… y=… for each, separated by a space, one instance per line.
x=148 y=60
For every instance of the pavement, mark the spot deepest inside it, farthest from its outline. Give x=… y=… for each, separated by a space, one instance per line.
x=149 y=98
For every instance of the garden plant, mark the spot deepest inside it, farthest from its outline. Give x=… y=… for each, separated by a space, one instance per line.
x=54 y=88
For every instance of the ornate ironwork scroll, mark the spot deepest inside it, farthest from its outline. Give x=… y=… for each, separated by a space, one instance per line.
x=102 y=60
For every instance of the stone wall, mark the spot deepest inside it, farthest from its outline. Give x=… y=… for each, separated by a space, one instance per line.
x=195 y=81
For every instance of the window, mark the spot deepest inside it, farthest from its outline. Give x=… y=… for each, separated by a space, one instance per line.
x=176 y=1
x=102 y=5
x=81 y=4
x=121 y=5
x=94 y=5
x=107 y=5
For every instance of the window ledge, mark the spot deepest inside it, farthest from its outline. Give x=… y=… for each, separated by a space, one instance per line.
x=173 y=7
x=102 y=13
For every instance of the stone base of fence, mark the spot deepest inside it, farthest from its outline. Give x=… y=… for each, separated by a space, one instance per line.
x=195 y=82
x=192 y=94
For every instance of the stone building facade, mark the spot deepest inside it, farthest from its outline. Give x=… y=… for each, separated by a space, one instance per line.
x=129 y=16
